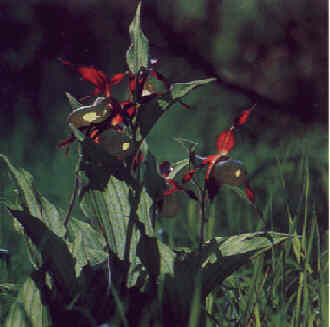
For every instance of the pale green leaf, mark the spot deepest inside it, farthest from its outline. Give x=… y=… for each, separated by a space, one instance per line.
x=179 y=90
x=28 y=310
x=137 y=55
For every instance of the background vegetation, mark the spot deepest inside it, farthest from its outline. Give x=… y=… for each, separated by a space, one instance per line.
x=272 y=53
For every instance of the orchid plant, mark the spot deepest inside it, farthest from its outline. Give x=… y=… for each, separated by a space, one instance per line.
x=114 y=253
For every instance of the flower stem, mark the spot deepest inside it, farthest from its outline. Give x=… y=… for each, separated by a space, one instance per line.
x=203 y=201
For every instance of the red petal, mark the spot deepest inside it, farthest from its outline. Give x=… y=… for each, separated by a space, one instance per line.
x=212 y=188
x=225 y=142
x=243 y=117
x=117 y=119
x=116 y=79
x=191 y=194
x=188 y=175
x=65 y=142
x=249 y=193
x=208 y=171
x=132 y=82
x=165 y=168
x=174 y=187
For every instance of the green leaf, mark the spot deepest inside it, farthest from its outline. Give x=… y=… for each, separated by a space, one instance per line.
x=156 y=256
x=75 y=104
x=53 y=250
x=32 y=201
x=221 y=256
x=118 y=216
x=44 y=228
x=137 y=55
x=177 y=167
x=77 y=133
x=87 y=244
x=187 y=144
x=179 y=90
x=29 y=309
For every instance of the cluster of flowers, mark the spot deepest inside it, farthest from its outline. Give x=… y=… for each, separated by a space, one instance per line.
x=221 y=169
x=107 y=112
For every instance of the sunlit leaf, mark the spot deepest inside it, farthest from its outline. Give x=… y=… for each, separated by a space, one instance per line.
x=29 y=309
x=221 y=256
x=179 y=90
x=88 y=246
x=137 y=55
x=75 y=104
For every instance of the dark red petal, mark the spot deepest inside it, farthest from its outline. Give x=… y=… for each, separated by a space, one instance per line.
x=93 y=75
x=65 y=142
x=184 y=105
x=212 y=188
x=188 y=175
x=173 y=188
x=116 y=79
x=132 y=83
x=249 y=193
x=165 y=168
x=209 y=170
x=225 y=141
x=116 y=120
x=191 y=194
x=139 y=157
x=243 y=117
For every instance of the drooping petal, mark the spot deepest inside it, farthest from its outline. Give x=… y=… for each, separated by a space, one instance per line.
x=243 y=117
x=188 y=175
x=225 y=141
x=174 y=187
x=66 y=142
x=249 y=193
x=95 y=76
x=165 y=168
x=116 y=79
x=212 y=188
x=116 y=120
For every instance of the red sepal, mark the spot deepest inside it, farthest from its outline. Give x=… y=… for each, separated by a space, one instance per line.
x=249 y=193
x=243 y=117
x=116 y=79
x=225 y=141
x=212 y=188
x=174 y=187
x=188 y=175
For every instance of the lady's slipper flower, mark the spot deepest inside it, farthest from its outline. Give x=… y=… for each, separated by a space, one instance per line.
x=97 y=77
x=165 y=169
x=221 y=169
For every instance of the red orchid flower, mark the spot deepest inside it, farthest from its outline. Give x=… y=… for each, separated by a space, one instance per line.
x=165 y=169
x=225 y=142
x=97 y=77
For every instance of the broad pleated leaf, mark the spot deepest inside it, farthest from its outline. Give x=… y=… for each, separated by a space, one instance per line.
x=156 y=256
x=28 y=310
x=137 y=55
x=179 y=90
x=115 y=211
x=53 y=250
x=32 y=201
x=223 y=255
x=87 y=244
